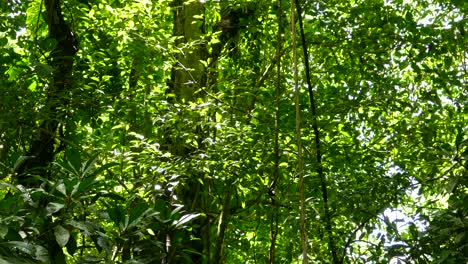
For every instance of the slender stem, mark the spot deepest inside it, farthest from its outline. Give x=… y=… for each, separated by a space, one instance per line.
x=323 y=180
x=274 y=183
x=305 y=259
x=222 y=225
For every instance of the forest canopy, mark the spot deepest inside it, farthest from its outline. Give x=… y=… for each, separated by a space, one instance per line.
x=240 y=131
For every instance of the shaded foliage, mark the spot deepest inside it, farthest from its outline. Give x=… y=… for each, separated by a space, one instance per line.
x=160 y=125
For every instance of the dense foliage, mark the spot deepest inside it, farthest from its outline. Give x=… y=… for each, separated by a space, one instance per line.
x=145 y=131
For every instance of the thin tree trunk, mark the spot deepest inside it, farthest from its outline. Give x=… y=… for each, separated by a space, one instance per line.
x=323 y=180
x=274 y=213
x=302 y=219
x=188 y=74
x=191 y=80
x=187 y=78
x=223 y=221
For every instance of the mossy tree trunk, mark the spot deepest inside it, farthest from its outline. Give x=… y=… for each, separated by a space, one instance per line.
x=48 y=141
x=50 y=131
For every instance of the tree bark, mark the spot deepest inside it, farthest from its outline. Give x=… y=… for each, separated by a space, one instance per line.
x=190 y=81
x=188 y=73
x=222 y=226
x=187 y=78
x=46 y=145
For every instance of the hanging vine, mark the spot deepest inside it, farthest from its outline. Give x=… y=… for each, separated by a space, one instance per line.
x=305 y=259
x=274 y=183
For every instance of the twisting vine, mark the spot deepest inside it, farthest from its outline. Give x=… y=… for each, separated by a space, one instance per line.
x=272 y=191
x=305 y=259
x=318 y=154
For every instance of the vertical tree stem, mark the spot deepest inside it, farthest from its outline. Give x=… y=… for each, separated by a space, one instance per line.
x=305 y=259
x=222 y=225
x=272 y=192
x=323 y=179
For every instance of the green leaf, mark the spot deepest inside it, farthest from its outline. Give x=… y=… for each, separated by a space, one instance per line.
x=66 y=166
x=20 y=161
x=74 y=159
x=72 y=245
x=103 y=243
x=116 y=214
x=161 y=207
x=32 y=86
x=136 y=213
x=71 y=185
x=3 y=41
x=3 y=231
x=103 y=168
x=87 y=166
x=184 y=220
x=84 y=186
x=52 y=208
x=61 y=235
x=62 y=188
x=23 y=247
x=42 y=254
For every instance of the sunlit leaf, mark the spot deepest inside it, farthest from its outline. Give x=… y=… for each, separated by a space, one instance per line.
x=184 y=220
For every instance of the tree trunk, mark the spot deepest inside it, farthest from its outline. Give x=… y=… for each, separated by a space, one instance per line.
x=48 y=143
x=187 y=77
x=188 y=74
x=191 y=80
x=44 y=147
